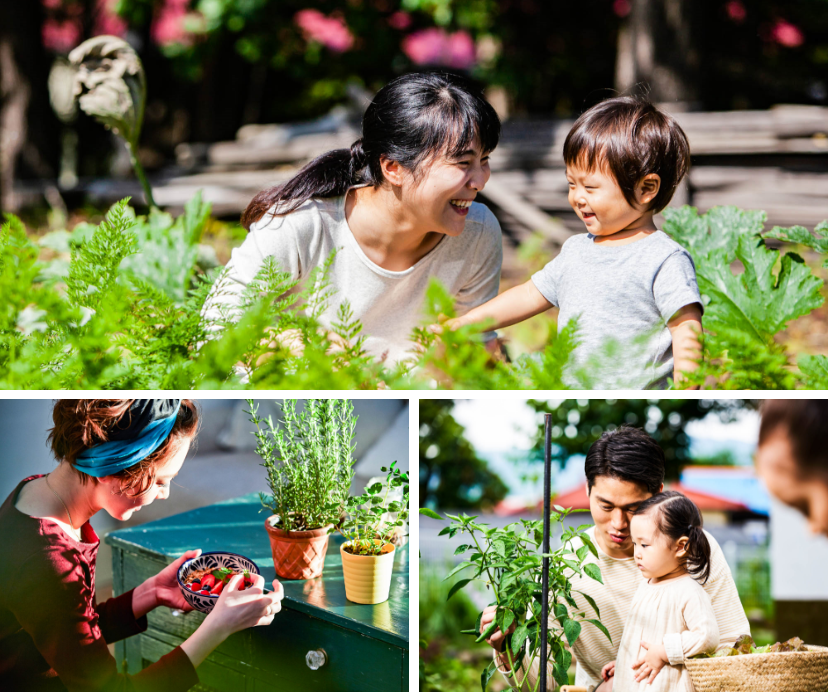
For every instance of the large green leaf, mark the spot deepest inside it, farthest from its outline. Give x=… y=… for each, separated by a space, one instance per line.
x=802 y=236
x=719 y=229
x=757 y=302
x=815 y=371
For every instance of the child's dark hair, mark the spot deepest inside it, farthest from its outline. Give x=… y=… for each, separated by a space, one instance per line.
x=807 y=418
x=632 y=138
x=412 y=118
x=675 y=516
x=628 y=454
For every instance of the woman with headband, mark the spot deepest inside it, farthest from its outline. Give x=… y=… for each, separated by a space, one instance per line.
x=116 y=455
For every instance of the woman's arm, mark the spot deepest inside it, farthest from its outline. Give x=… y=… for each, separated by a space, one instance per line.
x=510 y=307
x=685 y=328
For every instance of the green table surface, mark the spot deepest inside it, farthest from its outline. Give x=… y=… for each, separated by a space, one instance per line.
x=236 y=526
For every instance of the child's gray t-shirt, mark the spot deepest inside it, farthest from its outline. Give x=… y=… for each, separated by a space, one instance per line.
x=623 y=297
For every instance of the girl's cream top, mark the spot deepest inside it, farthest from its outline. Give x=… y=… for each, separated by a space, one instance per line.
x=676 y=612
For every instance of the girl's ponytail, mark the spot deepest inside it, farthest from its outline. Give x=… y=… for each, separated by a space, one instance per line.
x=698 y=553
x=412 y=118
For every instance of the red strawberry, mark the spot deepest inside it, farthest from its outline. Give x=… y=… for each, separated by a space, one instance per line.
x=208 y=581
x=204 y=593
x=216 y=590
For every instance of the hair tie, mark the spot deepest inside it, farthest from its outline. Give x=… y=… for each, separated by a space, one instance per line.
x=690 y=527
x=148 y=423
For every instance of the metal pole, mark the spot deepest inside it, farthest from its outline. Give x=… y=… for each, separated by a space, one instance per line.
x=547 y=484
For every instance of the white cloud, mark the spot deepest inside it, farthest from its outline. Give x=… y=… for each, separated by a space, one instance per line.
x=496 y=425
x=744 y=429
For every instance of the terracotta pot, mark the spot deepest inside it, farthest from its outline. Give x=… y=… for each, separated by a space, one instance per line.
x=297 y=554
x=367 y=577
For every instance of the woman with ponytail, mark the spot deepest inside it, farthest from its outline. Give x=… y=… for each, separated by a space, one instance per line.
x=116 y=455
x=671 y=617
x=397 y=208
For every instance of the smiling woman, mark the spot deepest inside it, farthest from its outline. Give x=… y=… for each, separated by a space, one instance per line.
x=396 y=209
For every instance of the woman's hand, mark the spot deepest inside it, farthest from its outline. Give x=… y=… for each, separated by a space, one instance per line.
x=237 y=610
x=650 y=663
x=608 y=671
x=167 y=592
x=496 y=639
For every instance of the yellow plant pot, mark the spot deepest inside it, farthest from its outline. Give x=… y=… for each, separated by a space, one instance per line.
x=367 y=577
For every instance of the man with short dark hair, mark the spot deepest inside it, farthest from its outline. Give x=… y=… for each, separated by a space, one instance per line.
x=623 y=468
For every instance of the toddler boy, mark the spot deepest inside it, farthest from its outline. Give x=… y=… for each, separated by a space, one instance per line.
x=624 y=280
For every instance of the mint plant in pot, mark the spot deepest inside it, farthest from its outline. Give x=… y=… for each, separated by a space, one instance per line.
x=508 y=561
x=371 y=524
x=309 y=461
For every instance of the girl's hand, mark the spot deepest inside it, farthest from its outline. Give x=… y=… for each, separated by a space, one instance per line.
x=237 y=610
x=650 y=663
x=608 y=671
x=167 y=592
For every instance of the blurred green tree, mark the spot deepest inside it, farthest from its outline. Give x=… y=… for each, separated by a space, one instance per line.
x=451 y=473
x=577 y=423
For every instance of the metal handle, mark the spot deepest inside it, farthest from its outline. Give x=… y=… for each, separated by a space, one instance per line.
x=316 y=659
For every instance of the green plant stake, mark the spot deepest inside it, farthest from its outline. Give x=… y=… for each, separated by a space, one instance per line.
x=111 y=87
x=509 y=561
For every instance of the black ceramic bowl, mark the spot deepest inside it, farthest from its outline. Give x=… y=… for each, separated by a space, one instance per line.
x=237 y=563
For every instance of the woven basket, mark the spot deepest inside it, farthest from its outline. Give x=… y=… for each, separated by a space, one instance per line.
x=787 y=671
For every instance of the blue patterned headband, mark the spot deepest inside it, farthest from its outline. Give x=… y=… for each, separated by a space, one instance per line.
x=149 y=424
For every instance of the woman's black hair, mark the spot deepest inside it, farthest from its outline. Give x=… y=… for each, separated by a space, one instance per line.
x=628 y=454
x=412 y=118
x=675 y=516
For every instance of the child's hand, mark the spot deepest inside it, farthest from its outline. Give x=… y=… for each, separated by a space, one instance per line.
x=650 y=663
x=608 y=671
x=444 y=323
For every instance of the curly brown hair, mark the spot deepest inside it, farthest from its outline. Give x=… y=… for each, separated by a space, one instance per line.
x=84 y=423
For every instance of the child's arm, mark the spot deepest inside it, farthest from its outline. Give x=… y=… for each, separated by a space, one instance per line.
x=510 y=307
x=685 y=327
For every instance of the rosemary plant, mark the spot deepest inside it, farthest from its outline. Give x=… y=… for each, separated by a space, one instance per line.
x=309 y=461
x=508 y=561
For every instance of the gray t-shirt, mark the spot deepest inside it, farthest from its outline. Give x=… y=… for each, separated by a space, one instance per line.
x=388 y=303
x=623 y=297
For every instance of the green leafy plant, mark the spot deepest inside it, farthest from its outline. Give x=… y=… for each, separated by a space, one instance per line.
x=371 y=520
x=508 y=560
x=309 y=461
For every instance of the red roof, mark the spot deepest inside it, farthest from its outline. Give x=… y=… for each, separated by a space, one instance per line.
x=577 y=499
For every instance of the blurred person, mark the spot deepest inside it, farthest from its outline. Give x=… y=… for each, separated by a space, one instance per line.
x=622 y=280
x=115 y=455
x=397 y=208
x=792 y=456
x=624 y=468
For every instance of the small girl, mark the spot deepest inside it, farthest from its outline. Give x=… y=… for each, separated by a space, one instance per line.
x=671 y=617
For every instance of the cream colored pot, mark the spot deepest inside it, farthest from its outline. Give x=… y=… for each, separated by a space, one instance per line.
x=367 y=577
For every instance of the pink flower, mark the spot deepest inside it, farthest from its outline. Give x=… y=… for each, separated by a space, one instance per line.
x=736 y=11
x=168 y=26
x=434 y=46
x=51 y=4
x=61 y=37
x=787 y=34
x=331 y=32
x=425 y=47
x=622 y=7
x=399 y=20
x=460 y=51
x=107 y=22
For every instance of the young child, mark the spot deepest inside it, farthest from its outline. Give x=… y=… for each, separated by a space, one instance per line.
x=671 y=617
x=624 y=280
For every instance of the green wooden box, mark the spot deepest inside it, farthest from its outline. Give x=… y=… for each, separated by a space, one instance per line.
x=366 y=646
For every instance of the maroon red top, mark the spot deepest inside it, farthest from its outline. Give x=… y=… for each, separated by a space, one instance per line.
x=53 y=635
